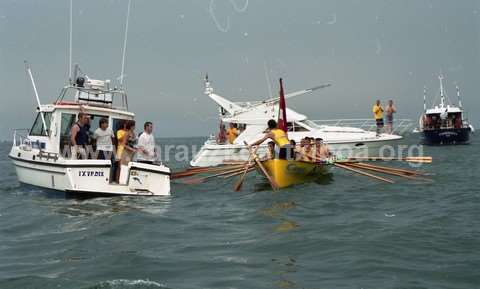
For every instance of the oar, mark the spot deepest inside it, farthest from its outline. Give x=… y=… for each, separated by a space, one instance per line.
x=201 y=180
x=239 y=183
x=363 y=173
x=239 y=173
x=192 y=172
x=262 y=168
x=388 y=172
x=406 y=159
x=408 y=172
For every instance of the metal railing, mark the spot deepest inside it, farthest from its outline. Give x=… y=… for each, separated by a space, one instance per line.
x=20 y=137
x=400 y=126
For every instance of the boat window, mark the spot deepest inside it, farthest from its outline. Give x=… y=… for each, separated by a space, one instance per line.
x=37 y=128
x=67 y=121
x=95 y=121
x=117 y=124
x=295 y=127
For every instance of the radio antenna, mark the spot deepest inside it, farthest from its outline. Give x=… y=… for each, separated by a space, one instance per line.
x=125 y=44
x=70 y=44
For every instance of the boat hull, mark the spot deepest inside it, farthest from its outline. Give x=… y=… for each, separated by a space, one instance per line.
x=288 y=173
x=446 y=136
x=214 y=154
x=86 y=179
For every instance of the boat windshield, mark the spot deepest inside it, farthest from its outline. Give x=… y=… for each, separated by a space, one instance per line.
x=309 y=123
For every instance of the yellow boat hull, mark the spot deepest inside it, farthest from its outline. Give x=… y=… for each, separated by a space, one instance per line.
x=288 y=172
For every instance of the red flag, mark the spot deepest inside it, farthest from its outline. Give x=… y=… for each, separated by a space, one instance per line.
x=282 y=111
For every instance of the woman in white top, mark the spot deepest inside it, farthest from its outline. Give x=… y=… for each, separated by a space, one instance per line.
x=104 y=136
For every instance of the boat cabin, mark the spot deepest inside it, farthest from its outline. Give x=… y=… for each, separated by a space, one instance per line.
x=93 y=97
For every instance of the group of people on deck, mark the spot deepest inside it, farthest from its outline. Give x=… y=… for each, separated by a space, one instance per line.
x=378 y=115
x=120 y=147
x=309 y=149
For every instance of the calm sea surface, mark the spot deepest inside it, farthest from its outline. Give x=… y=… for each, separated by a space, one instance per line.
x=348 y=232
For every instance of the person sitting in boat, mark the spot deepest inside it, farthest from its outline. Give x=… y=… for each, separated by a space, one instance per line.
x=104 y=140
x=293 y=149
x=79 y=137
x=322 y=151
x=278 y=136
x=232 y=133
x=378 y=114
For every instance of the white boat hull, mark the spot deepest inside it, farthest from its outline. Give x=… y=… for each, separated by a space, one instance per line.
x=87 y=177
x=212 y=154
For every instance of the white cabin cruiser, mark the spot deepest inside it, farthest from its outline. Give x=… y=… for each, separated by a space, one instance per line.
x=41 y=155
x=253 y=117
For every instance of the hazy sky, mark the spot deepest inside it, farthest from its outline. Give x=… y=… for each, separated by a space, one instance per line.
x=366 y=49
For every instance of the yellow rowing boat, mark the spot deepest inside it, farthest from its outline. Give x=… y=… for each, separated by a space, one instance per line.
x=290 y=172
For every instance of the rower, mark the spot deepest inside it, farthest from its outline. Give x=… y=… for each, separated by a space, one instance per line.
x=322 y=151
x=278 y=136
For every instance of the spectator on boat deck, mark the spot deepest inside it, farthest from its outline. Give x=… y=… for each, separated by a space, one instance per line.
x=104 y=137
x=222 y=134
x=79 y=137
x=378 y=114
x=390 y=110
x=146 y=145
x=278 y=136
x=120 y=135
x=232 y=133
x=125 y=149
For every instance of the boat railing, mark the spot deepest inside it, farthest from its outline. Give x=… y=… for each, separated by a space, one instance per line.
x=400 y=126
x=20 y=137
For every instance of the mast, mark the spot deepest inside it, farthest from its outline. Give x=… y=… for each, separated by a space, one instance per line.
x=425 y=99
x=458 y=96
x=442 y=92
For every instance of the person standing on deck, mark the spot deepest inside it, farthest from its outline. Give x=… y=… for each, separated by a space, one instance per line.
x=278 y=136
x=104 y=136
x=79 y=137
x=146 y=145
x=232 y=133
x=390 y=110
x=378 y=114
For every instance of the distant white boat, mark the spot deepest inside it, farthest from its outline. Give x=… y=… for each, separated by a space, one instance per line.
x=253 y=116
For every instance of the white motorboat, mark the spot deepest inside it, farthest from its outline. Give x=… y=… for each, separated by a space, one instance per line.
x=41 y=155
x=253 y=116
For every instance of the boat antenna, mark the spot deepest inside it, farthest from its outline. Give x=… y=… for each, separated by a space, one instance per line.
x=29 y=71
x=70 y=42
x=425 y=99
x=122 y=74
x=267 y=77
x=458 y=96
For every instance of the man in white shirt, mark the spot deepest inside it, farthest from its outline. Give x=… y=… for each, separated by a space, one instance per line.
x=146 y=145
x=104 y=136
